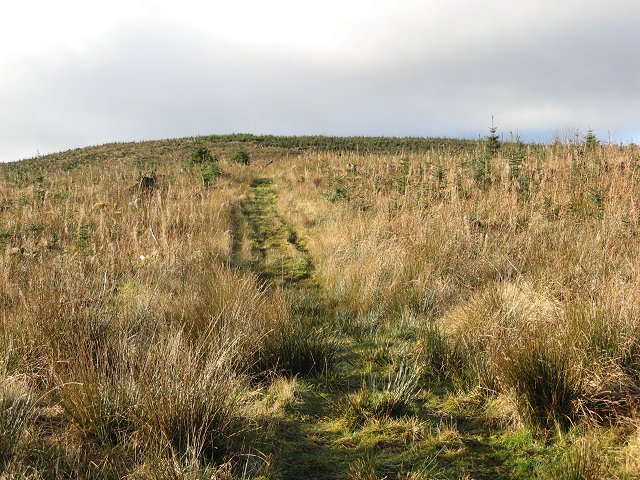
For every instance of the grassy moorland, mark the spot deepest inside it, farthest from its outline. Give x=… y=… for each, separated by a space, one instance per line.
x=279 y=308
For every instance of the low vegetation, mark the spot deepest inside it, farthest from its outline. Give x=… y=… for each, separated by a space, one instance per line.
x=355 y=308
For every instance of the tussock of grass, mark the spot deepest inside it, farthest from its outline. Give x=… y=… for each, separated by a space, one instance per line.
x=546 y=384
x=395 y=399
x=296 y=347
x=174 y=400
x=442 y=357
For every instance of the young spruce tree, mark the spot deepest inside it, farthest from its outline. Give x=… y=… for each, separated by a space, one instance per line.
x=482 y=164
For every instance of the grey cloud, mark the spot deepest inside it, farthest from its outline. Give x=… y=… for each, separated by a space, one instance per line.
x=155 y=84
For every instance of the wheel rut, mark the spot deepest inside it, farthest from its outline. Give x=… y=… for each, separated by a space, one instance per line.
x=275 y=252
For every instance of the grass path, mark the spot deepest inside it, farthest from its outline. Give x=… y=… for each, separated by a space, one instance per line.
x=277 y=253
x=432 y=433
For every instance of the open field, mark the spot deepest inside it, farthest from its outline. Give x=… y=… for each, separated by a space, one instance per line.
x=279 y=308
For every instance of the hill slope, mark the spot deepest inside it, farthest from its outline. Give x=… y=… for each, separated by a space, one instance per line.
x=316 y=307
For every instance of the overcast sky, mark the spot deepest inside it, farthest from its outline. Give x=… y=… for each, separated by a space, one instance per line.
x=78 y=72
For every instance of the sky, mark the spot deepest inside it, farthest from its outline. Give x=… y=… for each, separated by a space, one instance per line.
x=75 y=73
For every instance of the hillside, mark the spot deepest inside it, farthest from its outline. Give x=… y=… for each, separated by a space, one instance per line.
x=317 y=307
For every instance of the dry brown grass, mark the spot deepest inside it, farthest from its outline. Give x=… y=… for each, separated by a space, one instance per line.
x=113 y=299
x=122 y=313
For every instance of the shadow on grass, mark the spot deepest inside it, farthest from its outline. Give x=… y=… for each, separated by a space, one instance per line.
x=301 y=448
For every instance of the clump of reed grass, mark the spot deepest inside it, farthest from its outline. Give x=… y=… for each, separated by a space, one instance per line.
x=394 y=399
x=194 y=401
x=545 y=382
x=295 y=347
x=559 y=365
x=608 y=343
x=442 y=357
x=174 y=399
x=225 y=306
